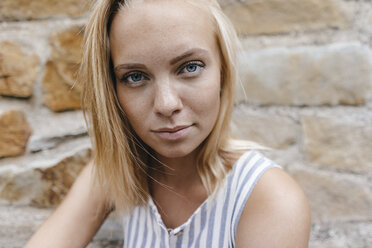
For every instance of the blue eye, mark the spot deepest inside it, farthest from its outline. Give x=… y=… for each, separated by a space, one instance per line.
x=135 y=77
x=191 y=67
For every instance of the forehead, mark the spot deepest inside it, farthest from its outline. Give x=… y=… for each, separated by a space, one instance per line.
x=161 y=25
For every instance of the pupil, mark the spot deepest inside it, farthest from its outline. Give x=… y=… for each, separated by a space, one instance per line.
x=136 y=77
x=191 y=68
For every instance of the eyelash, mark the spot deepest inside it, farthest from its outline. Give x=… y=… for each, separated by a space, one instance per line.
x=125 y=77
x=199 y=64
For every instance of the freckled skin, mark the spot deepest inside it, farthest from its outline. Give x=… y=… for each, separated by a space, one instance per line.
x=152 y=35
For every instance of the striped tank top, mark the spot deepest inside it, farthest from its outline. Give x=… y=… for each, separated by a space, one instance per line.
x=213 y=224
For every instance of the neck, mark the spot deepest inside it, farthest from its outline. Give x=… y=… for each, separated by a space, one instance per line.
x=177 y=173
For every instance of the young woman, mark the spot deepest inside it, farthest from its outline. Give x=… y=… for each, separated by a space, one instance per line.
x=159 y=77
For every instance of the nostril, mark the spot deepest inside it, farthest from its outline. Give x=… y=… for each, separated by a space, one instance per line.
x=168 y=111
x=167 y=101
x=176 y=111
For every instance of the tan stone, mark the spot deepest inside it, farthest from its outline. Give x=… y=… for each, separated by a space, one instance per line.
x=57 y=94
x=19 y=187
x=68 y=72
x=338 y=143
x=67 y=53
x=278 y=16
x=14 y=133
x=42 y=187
x=61 y=92
x=59 y=179
x=66 y=44
x=18 y=70
x=266 y=129
x=334 y=196
x=327 y=75
x=39 y=9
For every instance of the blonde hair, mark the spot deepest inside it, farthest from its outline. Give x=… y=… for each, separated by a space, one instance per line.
x=120 y=157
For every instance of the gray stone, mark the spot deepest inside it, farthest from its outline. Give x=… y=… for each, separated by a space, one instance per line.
x=278 y=16
x=53 y=129
x=341 y=235
x=338 y=142
x=267 y=129
x=335 y=196
x=18 y=223
x=327 y=75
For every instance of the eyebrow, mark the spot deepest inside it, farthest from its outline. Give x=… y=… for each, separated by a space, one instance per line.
x=129 y=67
x=186 y=55
x=189 y=53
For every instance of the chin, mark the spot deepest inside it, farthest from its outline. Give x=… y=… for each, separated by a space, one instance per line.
x=174 y=152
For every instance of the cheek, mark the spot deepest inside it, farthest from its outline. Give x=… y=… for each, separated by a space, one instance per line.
x=206 y=101
x=132 y=106
x=211 y=94
x=214 y=107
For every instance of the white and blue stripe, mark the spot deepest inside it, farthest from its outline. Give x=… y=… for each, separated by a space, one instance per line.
x=213 y=224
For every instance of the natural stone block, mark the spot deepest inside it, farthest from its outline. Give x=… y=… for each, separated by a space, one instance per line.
x=42 y=186
x=335 y=196
x=60 y=178
x=41 y=143
x=39 y=9
x=341 y=235
x=278 y=16
x=14 y=133
x=106 y=243
x=266 y=129
x=18 y=70
x=68 y=72
x=59 y=83
x=338 y=142
x=66 y=44
x=327 y=75
x=18 y=223
x=57 y=94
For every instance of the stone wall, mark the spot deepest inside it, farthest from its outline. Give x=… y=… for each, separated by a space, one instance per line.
x=306 y=91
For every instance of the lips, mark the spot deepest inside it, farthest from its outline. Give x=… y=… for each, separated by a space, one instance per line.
x=172 y=129
x=173 y=133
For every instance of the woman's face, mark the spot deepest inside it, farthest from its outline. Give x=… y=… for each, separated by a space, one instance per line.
x=167 y=67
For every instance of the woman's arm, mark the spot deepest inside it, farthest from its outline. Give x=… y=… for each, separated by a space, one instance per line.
x=276 y=215
x=77 y=219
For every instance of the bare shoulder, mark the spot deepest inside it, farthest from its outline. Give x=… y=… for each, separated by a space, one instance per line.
x=276 y=214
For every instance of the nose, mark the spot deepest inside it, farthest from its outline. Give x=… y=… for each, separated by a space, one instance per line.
x=167 y=101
